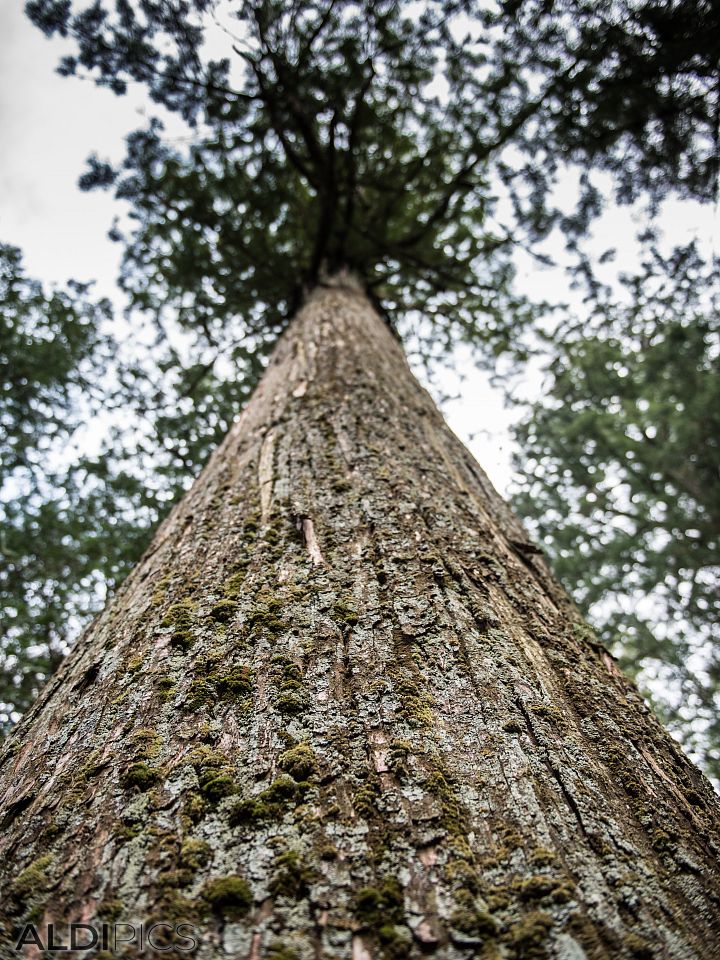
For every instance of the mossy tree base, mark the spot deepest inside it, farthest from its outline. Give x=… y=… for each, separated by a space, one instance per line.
x=341 y=710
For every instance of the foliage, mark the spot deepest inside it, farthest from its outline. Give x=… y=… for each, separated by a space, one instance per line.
x=53 y=353
x=638 y=96
x=621 y=464
x=375 y=135
x=49 y=343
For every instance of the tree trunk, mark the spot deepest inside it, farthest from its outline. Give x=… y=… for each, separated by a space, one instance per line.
x=340 y=709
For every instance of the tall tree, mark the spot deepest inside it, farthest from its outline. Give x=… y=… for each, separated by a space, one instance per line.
x=378 y=135
x=341 y=709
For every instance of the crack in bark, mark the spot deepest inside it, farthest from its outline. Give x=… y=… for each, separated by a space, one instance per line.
x=567 y=795
x=306 y=527
x=265 y=474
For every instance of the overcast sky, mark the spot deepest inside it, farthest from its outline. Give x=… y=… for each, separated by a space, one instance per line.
x=50 y=125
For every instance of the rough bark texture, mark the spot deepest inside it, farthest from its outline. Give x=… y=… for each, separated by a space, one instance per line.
x=340 y=709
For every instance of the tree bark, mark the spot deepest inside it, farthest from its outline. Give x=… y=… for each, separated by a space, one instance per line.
x=341 y=710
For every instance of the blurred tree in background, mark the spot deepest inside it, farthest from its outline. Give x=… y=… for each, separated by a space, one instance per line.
x=54 y=353
x=621 y=467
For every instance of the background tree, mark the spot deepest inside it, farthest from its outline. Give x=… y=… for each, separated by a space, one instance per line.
x=621 y=478
x=54 y=353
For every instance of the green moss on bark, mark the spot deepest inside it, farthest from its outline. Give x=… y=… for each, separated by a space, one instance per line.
x=229 y=897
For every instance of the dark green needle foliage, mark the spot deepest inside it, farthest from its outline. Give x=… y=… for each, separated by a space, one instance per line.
x=319 y=148
x=637 y=94
x=376 y=136
x=621 y=461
